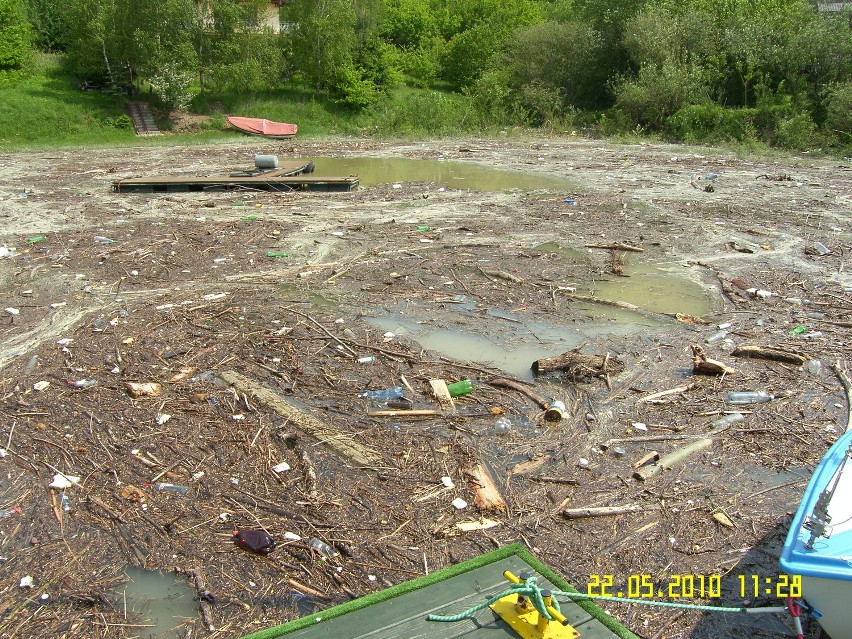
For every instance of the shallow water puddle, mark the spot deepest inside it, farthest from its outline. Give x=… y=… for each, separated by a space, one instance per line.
x=511 y=348
x=455 y=175
x=657 y=288
x=515 y=343
x=159 y=602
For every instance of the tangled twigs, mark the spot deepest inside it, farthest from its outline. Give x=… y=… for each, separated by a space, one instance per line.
x=847 y=385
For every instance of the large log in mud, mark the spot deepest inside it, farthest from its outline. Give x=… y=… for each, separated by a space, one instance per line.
x=579 y=366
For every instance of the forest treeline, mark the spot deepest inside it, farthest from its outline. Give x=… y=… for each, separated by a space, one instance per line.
x=775 y=71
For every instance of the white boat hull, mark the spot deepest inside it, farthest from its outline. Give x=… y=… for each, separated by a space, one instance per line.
x=824 y=558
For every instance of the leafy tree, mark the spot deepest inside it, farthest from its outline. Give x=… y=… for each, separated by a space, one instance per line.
x=50 y=31
x=408 y=24
x=481 y=29
x=15 y=36
x=323 y=39
x=560 y=56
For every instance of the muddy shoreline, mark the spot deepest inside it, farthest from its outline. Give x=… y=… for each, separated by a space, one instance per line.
x=123 y=319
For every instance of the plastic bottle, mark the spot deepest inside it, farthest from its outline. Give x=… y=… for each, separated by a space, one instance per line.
x=814 y=367
x=276 y=254
x=172 y=488
x=321 y=547
x=368 y=359
x=727 y=420
x=256 y=541
x=748 y=397
x=462 y=387
x=384 y=394
x=503 y=425
x=715 y=337
x=821 y=248
x=8 y=512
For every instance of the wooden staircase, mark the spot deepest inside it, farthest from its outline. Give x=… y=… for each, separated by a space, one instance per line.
x=143 y=119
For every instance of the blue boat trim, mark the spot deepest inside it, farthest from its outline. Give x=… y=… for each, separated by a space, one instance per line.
x=830 y=557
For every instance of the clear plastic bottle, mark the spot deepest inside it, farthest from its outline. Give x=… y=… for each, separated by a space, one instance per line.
x=502 y=426
x=748 y=397
x=814 y=367
x=171 y=488
x=821 y=248
x=321 y=547
x=727 y=420
x=715 y=337
x=385 y=394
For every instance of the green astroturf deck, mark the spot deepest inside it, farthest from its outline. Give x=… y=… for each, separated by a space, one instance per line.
x=400 y=612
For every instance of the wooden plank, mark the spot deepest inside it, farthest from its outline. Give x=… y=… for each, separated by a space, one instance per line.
x=339 y=442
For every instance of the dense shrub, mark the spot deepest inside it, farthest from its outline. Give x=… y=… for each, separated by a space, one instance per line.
x=710 y=123
x=838 y=111
x=658 y=92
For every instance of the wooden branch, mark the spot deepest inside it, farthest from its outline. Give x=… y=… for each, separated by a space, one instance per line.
x=618 y=246
x=205 y=597
x=502 y=382
x=770 y=352
x=333 y=439
x=605 y=511
x=421 y=412
x=671 y=391
x=847 y=385
x=486 y=495
x=597 y=300
x=673 y=458
x=703 y=365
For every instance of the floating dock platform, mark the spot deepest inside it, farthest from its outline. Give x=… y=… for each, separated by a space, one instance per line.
x=401 y=611
x=289 y=176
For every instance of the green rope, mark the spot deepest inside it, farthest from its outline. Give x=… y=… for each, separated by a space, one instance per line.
x=531 y=590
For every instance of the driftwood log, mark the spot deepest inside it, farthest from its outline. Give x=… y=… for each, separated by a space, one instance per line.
x=770 y=352
x=339 y=442
x=672 y=459
x=703 y=365
x=579 y=366
x=606 y=511
x=486 y=495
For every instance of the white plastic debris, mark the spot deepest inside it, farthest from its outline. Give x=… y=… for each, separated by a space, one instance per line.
x=64 y=341
x=459 y=503
x=282 y=467
x=61 y=481
x=448 y=482
x=26 y=582
x=13 y=311
x=291 y=536
x=40 y=386
x=640 y=426
x=6 y=252
x=162 y=418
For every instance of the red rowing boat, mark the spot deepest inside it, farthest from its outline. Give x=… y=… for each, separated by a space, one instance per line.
x=260 y=126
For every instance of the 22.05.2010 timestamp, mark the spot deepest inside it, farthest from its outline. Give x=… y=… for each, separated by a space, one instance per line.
x=643 y=586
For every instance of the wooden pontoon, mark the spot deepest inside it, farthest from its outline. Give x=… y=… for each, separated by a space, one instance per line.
x=289 y=176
